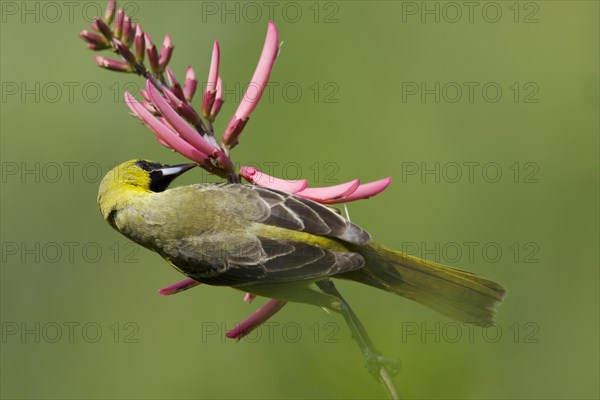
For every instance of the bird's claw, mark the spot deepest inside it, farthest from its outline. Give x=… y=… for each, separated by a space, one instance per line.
x=376 y=361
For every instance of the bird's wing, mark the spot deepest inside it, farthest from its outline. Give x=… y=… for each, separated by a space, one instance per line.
x=299 y=214
x=203 y=249
x=274 y=261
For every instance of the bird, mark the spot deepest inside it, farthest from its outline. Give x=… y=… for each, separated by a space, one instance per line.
x=278 y=245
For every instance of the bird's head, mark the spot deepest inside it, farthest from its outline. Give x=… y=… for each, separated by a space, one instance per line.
x=134 y=178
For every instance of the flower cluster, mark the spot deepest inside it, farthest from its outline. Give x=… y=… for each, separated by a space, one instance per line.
x=167 y=111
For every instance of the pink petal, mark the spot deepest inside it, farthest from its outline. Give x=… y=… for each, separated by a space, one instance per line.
x=257 y=319
x=330 y=192
x=166 y=134
x=180 y=286
x=249 y=297
x=259 y=178
x=188 y=133
x=365 y=191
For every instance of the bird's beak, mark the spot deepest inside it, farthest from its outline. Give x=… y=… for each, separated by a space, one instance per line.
x=174 y=171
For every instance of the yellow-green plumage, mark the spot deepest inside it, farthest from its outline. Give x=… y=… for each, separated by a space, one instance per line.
x=275 y=244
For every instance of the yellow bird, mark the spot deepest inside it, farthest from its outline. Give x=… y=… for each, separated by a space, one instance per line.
x=277 y=245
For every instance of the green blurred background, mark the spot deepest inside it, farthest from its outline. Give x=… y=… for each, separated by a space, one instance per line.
x=353 y=95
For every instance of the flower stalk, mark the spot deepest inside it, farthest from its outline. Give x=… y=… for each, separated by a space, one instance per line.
x=168 y=112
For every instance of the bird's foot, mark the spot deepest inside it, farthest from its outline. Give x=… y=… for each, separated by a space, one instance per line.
x=376 y=361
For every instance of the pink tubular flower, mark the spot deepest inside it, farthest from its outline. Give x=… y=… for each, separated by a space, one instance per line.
x=189 y=134
x=166 y=52
x=211 y=84
x=178 y=287
x=342 y=193
x=257 y=84
x=258 y=178
x=255 y=320
x=165 y=133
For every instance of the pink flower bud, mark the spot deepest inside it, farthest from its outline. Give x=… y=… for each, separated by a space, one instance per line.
x=109 y=13
x=124 y=51
x=190 y=84
x=152 y=55
x=208 y=100
x=165 y=52
x=140 y=43
x=118 y=29
x=113 y=65
x=104 y=29
x=98 y=41
x=233 y=131
x=95 y=47
x=128 y=31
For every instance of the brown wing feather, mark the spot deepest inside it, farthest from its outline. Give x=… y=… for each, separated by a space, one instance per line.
x=292 y=212
x=281 y=261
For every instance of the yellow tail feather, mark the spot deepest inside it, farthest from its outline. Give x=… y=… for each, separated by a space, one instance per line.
x=457 y=294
